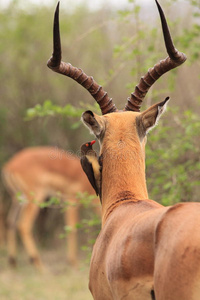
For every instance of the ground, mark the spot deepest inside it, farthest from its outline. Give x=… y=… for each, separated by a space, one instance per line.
x=58 y=282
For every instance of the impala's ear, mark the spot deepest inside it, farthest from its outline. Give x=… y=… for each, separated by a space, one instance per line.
x=93 y=122
x=150 y=117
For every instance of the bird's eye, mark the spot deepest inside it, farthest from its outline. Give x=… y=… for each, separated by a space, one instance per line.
x=86 y=145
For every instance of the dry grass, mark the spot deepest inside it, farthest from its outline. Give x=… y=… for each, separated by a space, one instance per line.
x=59 y=282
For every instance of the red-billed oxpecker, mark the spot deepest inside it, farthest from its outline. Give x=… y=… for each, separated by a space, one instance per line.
x=90 y=165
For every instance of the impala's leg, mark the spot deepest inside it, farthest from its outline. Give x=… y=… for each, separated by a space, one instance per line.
x=11 y=231
x=71 y=219
x=25 y=225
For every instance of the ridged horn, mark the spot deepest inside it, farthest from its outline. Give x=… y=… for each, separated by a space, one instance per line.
x=54 y=63
x=172 y=61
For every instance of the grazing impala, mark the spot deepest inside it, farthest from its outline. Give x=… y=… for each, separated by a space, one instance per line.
x=144 y=250
x=38 y=173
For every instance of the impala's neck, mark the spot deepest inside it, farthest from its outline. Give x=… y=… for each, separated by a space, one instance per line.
x=123 y=174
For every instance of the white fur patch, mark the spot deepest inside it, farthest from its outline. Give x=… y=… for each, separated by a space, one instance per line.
x=161 y=110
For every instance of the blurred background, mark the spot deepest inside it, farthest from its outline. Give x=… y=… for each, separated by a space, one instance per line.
x=116 y=43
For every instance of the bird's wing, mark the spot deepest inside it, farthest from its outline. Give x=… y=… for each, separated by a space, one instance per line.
x=88 y=169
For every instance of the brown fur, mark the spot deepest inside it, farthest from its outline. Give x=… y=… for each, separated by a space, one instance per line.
x=144 y=250
x=38 y=173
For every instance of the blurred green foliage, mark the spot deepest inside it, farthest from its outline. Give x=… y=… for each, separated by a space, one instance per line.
x=39 y=107
x=172 y=158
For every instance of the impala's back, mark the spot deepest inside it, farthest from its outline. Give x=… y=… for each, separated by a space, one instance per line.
x=48 y=169
x=144 y=250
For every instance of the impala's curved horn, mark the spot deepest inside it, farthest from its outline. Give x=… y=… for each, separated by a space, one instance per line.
x=54 y=63
x=174 y=60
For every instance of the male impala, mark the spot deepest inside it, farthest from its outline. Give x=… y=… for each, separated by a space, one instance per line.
x=144 y=250
x=38 y=173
